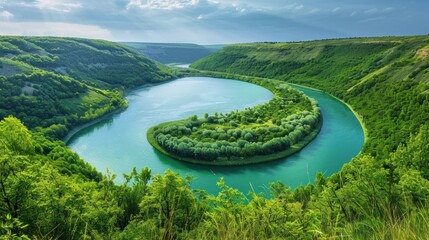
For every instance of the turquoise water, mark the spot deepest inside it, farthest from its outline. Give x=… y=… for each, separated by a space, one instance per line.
x=119 y=142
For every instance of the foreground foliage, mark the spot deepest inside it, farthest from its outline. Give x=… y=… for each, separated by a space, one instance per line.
x=364 y=200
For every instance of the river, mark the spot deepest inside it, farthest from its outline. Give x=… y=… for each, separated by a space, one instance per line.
x=119 y=143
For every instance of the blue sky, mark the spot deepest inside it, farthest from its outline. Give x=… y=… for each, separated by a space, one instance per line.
x=214 y=21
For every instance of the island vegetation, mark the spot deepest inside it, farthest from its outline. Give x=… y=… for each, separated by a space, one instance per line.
x=48 y=192
x=266 y=132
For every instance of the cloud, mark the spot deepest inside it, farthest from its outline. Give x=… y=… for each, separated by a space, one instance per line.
x=294 y=7
x=371 y=11
x=53 y=29
x=336 y=9
x=161 y=4
x=299 y=7
x=54 y=5
x=314 y=10
x=210 y=21
x=374 y=19
x=240 y=10
x=6 y=15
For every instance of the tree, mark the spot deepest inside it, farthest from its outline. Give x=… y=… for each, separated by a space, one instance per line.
x=16 y=146
x=131 y=193
x=15 y=137
x=172 y=204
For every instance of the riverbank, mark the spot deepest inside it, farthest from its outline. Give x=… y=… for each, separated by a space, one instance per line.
x=240 y=77
x=80 y=127
x=259 y=157
x=76 y=129
x=122 y=144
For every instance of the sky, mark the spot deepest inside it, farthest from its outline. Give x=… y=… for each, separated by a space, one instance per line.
x=213 y=21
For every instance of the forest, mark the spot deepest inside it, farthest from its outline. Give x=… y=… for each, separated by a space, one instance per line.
x=266 y=132
x=66 y=82
x=48 y=192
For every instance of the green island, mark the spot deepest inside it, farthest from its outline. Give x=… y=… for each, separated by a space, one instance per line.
x=266 y=132
x=48 y=86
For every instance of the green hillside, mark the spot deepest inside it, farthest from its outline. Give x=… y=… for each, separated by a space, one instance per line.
x=169 y=53
x=386 y=80
x=46 y=81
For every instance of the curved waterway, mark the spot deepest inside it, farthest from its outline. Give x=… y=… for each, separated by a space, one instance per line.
x=119 y=143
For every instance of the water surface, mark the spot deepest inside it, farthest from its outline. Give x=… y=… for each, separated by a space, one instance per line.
x=119 y=142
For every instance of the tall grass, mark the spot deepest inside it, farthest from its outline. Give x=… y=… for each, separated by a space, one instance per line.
x=413 y=224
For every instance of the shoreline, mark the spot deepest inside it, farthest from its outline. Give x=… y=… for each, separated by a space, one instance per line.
x=290 y=151
x=357 y=115
x=242 y=161
x=239 y=161
x=76 y=129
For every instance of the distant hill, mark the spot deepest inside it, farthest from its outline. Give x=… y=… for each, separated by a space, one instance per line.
x=45 y=80
x=179 y=53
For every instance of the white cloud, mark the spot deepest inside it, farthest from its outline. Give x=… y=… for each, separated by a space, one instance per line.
x=161 y=4
x=53 y=29
x=353 y=13
x=200 y=17
x=54 y=5
x=241 y=10
x=314 y=10
x=371 y=11
x=299 y=7
x=294 y=7
x=6 y=15
x=336 y=9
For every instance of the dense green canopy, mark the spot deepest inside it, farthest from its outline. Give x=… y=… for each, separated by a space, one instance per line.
x=263 y=133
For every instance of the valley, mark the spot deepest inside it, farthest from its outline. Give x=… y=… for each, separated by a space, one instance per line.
x=49 y=86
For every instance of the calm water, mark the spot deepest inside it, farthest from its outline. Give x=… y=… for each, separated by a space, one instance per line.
x=119 y=143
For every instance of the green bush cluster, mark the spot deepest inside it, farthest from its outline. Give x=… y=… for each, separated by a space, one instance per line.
x=262 y=130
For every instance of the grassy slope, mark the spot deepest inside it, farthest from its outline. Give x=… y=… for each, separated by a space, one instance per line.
x=174 y=52
x=384 y=79
x=68 y=81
